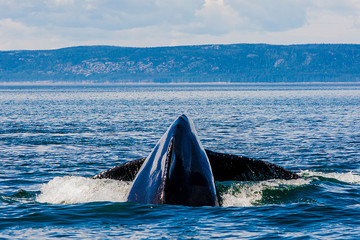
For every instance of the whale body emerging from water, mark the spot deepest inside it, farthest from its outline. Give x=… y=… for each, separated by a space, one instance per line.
x=180 y=171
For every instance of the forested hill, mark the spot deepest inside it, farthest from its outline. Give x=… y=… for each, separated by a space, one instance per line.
x=206 y=63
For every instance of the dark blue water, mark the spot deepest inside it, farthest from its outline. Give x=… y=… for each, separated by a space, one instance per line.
x=53 y=139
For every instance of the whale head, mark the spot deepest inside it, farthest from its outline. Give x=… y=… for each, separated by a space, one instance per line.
x=177 y=171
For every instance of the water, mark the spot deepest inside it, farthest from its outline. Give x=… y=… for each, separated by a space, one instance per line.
x=53 y=139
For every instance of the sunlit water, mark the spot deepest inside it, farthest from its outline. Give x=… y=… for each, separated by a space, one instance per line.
x=53 y=139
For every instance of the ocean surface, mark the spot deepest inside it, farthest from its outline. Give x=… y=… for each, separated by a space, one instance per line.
x=53 y=139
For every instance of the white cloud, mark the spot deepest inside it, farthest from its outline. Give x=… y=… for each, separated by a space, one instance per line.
x=271 y=15
x=214 y=17
x=57 y=23
x=17 y=35
x=62 y=2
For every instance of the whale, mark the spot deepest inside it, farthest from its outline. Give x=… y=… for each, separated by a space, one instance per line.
x=179 y=171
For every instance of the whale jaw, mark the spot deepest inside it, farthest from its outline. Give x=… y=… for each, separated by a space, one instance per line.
x=177 y=171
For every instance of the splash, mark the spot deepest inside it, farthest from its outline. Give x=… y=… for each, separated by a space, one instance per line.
x=247 y=194
x=74 y=189
x=241 y=195
x=348 y=177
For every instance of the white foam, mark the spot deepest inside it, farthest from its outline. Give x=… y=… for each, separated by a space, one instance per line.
x=242 y=195
x=73 y=189
x=348 y=177
x=246 y=194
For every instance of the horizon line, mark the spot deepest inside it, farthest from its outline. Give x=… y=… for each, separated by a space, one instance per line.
x=174 y=46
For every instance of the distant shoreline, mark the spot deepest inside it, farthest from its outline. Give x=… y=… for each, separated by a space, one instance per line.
x=48 y=83
x=207 y=64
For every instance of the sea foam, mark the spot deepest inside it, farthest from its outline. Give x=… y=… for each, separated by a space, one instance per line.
x=74 y=189
x=347 y=177
x=247 y=194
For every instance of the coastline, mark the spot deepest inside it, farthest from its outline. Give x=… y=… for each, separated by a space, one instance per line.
x=91 y=83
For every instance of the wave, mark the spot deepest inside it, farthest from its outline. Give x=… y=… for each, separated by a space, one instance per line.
x=347 y=177
x=247 y=194
x=75 y=189
x=20 y=196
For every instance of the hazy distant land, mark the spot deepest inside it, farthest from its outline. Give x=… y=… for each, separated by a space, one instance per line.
x=185 y=64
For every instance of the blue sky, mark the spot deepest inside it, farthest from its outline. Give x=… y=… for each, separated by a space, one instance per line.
x=49 y=24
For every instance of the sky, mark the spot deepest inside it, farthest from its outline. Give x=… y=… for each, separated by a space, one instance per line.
x=52 y=24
